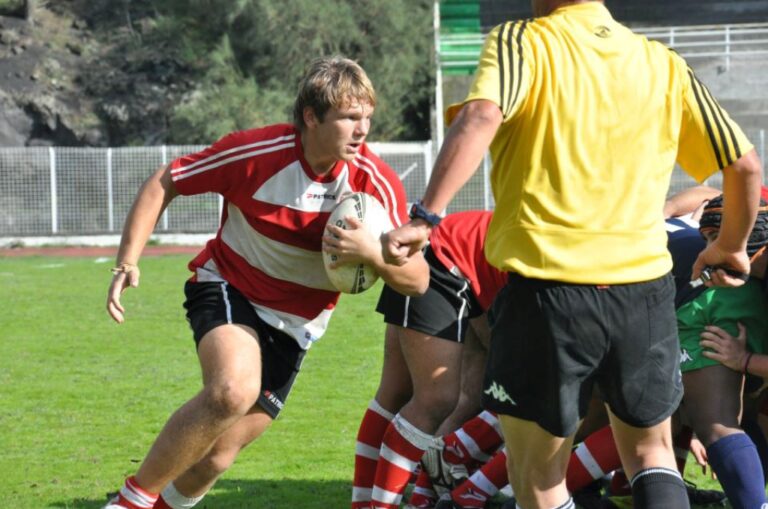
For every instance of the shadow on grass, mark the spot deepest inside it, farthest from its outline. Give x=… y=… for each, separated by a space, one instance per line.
x=257 y=494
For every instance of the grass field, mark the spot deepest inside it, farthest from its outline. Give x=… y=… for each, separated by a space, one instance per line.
x=82 y=398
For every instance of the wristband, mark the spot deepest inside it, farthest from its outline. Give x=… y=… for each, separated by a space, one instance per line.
x=418 y=211
x=746 y=362
x=124 y=268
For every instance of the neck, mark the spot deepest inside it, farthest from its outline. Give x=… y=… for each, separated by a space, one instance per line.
x=319 y=163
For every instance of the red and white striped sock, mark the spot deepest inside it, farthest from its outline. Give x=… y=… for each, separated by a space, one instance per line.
x=423 y=495
x=369 y=437
x=682 y=444
x=475 y=441
x=133 y=496
x=593 y=458
x=483 y=484
x=402 y=448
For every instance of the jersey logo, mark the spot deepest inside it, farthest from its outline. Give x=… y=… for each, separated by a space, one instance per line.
x=685 y=357
x=498 y=393
x=602 y=31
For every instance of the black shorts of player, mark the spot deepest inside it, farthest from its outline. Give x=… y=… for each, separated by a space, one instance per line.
x=551 y=342
x=443 y=311
x=212 y=304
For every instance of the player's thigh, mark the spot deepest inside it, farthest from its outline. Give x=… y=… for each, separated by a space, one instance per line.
x=643 y=447
x=434 y=363
x=230 y=352
x=712 y=401
x=224 y=326
x=395 y=387
x=535 y=456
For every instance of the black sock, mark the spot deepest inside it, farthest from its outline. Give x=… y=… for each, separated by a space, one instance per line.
x=659 y=488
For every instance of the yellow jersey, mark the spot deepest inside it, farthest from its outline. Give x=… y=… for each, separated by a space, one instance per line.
x=594 y=118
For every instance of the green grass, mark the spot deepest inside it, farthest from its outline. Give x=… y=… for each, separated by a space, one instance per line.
x=81 y=398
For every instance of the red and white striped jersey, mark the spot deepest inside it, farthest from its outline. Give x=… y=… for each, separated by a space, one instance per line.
x=269 y=241
x=458 y=242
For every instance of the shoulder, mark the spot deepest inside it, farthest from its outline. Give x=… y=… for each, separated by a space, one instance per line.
x=369 y=162
x=272 y=134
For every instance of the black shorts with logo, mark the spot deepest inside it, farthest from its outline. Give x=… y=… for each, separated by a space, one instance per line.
x=443 y=311
x=212 y=304
x=552 y=341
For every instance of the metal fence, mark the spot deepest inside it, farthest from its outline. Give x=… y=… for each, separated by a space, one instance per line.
x=59 y=192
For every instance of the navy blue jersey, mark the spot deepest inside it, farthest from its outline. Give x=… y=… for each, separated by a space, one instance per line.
x=684 y=243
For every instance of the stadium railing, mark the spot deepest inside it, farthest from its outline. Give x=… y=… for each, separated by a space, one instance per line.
x=53 y=194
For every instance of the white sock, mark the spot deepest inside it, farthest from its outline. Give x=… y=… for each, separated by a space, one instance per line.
x=176 y=500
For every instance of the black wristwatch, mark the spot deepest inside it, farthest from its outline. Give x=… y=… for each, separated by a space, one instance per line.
x=419 y=212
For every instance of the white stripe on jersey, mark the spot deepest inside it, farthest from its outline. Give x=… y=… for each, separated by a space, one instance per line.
x=291 y=187
x=239 y=148
x=390 y=199
x=178 y=175
x=272 y=257
x=304 y=332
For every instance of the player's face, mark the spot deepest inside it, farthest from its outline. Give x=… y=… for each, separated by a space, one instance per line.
x=344 y=129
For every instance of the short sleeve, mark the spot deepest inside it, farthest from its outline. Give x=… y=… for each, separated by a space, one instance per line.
x=503 y=73
x=216 y=168
x=709 y=139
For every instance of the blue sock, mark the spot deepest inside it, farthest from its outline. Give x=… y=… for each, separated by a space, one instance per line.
x=753 y=430
x=735 y=460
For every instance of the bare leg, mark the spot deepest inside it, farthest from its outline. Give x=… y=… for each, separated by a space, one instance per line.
x=536 y=463
x=642 y=448
x=230 y=358
x=201 y=476
x=434 y=365
x=395 y=387
x=473 y=357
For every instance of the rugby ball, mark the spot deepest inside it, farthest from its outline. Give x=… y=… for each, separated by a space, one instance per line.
x=368 y=210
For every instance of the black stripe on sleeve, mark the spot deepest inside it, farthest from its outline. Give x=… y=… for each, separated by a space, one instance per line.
x=718 y=122
x=500 y=56
x=510 y=49
x=519 y=65
x=713 y=141
x=719 y=112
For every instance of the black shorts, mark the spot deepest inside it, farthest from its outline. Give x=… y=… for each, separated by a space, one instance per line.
x=552 y=341
x=443 y=311
x=210 y=305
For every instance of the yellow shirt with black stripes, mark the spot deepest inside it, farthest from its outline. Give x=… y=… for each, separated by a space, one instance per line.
x=594 y=118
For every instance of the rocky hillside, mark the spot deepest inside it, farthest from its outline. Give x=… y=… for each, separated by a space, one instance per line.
x=77 y=72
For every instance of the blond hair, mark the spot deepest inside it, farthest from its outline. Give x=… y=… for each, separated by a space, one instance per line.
x=330 y=83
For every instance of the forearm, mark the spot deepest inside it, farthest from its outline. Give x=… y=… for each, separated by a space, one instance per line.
x=688 y=200
x=757 y=365
x=410 y=279
x=153 y=198
x=741 y=196
x=462 y=152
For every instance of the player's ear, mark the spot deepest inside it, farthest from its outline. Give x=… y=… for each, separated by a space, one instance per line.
x=310 y=118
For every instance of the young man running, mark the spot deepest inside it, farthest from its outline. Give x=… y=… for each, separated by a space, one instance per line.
x=259 y=295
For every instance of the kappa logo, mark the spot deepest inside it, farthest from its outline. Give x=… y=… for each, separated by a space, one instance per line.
x=498 y=393
x=686 y=357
